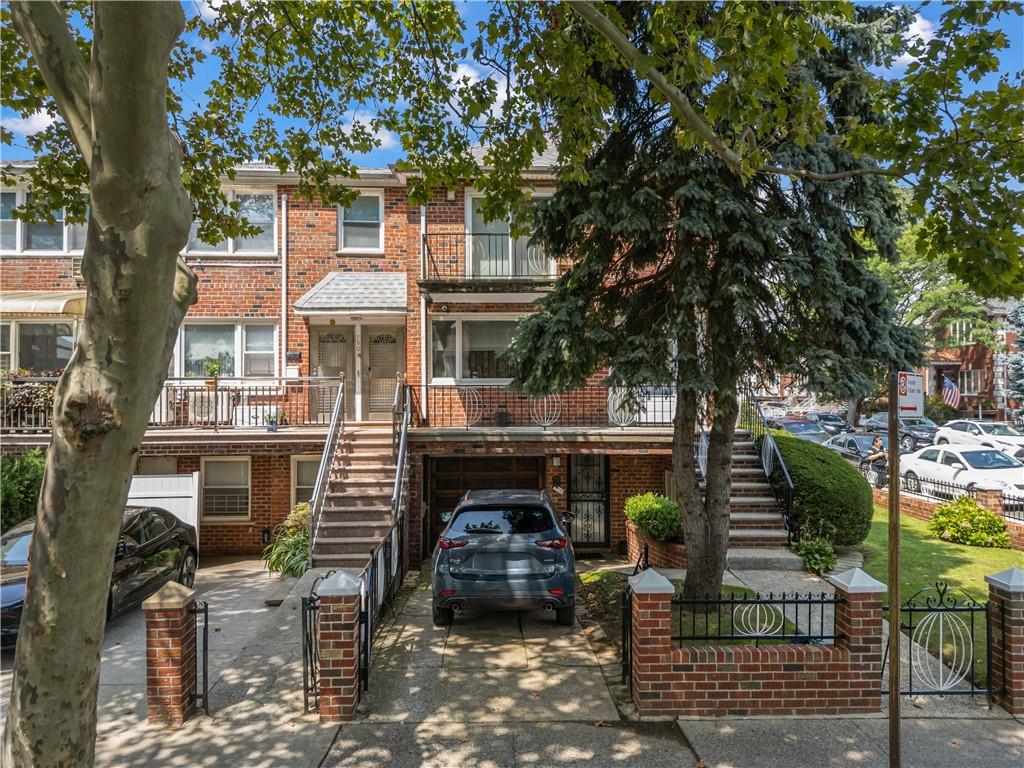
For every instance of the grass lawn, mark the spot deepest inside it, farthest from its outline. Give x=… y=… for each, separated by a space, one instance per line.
x=925 y=559
x=601 y=593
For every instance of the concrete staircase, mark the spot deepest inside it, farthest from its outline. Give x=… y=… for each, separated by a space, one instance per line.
x=356 y=514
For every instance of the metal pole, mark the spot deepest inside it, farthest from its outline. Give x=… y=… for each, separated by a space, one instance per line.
x=894 y=571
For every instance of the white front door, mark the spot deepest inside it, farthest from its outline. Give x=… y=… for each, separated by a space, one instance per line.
x=333 y=353
x=383 y=369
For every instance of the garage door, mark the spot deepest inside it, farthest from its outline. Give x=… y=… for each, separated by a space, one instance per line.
x=452 y=476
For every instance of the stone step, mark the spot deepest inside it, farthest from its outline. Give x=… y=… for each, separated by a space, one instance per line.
x=757 y=537
x=345 y=545
x=746 y=470
x=349 y=560
x=751 y=500
x=334 y=527
x=357 y=498
x=756 y=520
x=363 y=458
x=741 y=558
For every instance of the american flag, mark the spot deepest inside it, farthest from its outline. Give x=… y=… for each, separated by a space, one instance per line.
x=950 y=392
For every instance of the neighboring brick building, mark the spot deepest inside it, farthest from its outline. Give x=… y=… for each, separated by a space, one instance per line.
x=378 y=293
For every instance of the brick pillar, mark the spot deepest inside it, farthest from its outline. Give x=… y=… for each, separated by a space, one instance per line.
x=338 y=638
x=651 y=642
x=859 y=629
x=1006 y=598
x=991 y=499
x=170 y=654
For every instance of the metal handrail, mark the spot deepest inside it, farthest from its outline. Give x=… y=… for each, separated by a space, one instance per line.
x=771 y=458
x=326 y=462
x=400 y=457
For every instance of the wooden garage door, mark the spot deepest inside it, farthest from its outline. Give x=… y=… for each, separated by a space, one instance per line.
x=452 y=476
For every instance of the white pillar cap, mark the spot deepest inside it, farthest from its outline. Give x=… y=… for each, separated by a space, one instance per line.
x=340 y=583
x=1012 y=580
x=857 y=582
x=650 y=582
x=172 y=596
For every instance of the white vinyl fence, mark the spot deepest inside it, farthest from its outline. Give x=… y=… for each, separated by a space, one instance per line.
x=178 y=494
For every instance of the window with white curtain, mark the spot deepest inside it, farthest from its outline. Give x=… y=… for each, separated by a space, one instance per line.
x=304 y=471
x=208 y=350
x=462 y=349
x=258 y=350
x=443 y=351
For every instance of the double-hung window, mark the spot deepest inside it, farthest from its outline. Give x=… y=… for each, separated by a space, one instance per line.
x=6 y=352
x=225 y=488
x=462 y=349
x=37 y=237
x=259 y=209
x=361 y=224
x=304 y=471
x=227 y=349
x=971 y=381
x=961 y=332
x=36 y=346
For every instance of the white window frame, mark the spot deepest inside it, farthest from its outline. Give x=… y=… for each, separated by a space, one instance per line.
x=379 y=194
x=177 y=369
x=203 y=461
x=459 y=319
x=961 y=332
x=11 y=341
x=14 y=322
x=232 y=250
x=471 y=195
x=971 y=383
x=296 y=458
x=20 y=235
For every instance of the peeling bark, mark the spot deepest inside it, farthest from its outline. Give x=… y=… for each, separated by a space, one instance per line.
x=137 y=294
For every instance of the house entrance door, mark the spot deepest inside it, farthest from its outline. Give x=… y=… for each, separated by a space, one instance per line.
x=384 y=366
x=589 y=499
x=332 y=358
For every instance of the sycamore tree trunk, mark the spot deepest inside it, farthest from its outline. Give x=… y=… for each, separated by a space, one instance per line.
x=138 y=291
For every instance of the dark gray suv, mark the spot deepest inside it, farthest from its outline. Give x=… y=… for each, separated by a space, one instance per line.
x=504 y=550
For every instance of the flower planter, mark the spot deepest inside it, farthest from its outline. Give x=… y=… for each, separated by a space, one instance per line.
x=660 y=554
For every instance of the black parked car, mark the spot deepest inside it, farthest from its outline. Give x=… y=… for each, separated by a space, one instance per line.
x=832 y=423
x=154 y=547
x=854 y=448
x=915 y=432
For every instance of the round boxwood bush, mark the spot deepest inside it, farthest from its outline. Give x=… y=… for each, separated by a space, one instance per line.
x=829 y=495
x=965 y=521
x=656 y=516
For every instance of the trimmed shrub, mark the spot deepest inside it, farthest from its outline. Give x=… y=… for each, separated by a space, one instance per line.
x=965 y=521
x=830 y=498
x=21 y=477
x=288 y=553
x=656 y=516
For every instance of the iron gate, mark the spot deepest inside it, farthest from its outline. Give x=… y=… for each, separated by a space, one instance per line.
x=950 y=643
x=589 y=499
x=311 y=647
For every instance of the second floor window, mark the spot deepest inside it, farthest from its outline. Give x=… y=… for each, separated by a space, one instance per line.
x=961 y=332
x=37 y=236
x=971 y=381
x=493 y=252
x=361 y=225
x=260 y=210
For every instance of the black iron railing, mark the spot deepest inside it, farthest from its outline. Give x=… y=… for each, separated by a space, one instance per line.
x=461 y=255
x=202 y=697
x=323 y=475
x=757 y=619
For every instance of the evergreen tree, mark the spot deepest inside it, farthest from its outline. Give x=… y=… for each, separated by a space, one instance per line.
x=684 y=273
x=1015 y=358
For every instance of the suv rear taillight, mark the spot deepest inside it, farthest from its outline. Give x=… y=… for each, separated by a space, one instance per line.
x=450 y=543
x=560 y=543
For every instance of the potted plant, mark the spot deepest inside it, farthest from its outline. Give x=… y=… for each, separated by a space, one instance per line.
x=212 y=369
x=271 y=421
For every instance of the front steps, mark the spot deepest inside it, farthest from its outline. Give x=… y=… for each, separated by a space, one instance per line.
x=357 y=505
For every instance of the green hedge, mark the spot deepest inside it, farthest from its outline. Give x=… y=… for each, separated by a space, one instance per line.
x=656 y=516
x=965 y=521
x=21 y=477
x=831 y=500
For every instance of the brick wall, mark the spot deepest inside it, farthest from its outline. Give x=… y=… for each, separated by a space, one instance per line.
x=922 y=509
x=660 y=554
x=778 y=680
x=633 y=474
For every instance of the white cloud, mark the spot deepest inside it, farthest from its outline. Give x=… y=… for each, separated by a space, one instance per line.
x=468 y=72
x=385 y=138
x=921 y=29
x=208 y=10
x=34 y=123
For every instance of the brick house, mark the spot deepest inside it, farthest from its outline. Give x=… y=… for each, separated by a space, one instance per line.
x=379 y=293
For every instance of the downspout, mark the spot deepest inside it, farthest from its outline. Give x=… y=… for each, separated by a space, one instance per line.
x=284 y=284
x=424 y=327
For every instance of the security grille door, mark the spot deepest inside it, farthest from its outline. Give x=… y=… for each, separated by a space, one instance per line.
x=330 y=361
x=383 y=369
x=588 y=499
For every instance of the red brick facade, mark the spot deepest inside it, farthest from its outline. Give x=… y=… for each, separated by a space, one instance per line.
x=660 y=554
x=171 y=675
x=1008 y=647
x=338 y=637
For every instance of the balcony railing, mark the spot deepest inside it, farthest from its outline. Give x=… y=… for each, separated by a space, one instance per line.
x=274 y=403
x=496 y=406
x=458 y=256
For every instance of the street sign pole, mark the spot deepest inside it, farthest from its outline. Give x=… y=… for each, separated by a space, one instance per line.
x=894 y=570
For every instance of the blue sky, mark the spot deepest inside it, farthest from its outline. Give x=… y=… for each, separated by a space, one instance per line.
x=473 y=11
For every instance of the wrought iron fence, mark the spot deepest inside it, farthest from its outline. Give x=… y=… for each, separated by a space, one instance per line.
x=202 y=697
x=1013 y=505
x=26 y=404
x=625 y=649
x=745 y=618
x=950 y=635
x=496 y=405
x=462 y=255
x=912 y=485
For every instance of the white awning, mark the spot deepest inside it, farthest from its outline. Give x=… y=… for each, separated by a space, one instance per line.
x=42 y=302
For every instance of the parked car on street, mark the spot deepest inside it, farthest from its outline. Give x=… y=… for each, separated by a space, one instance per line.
x=915 y=431
x=805 y=429
x=855 y=448
x=504 y=549
x=832 y=423
x=936 y=470
x=154 y=547
x=991 y=434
